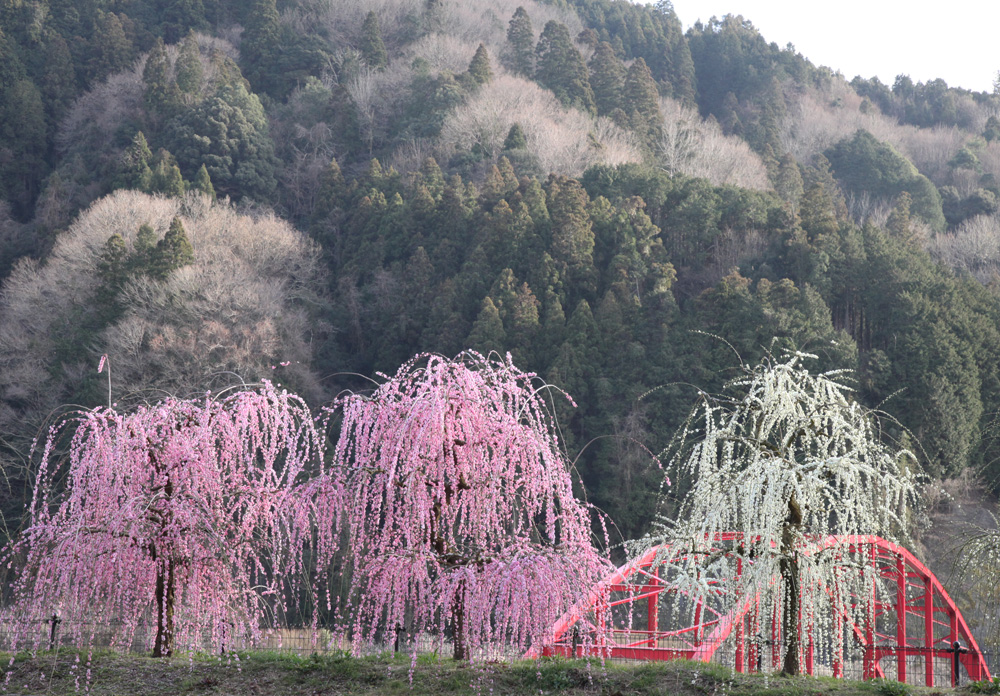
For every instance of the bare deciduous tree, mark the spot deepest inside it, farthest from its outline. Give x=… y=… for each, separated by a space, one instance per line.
x=699 y=148
x=237 y=310
x=566 y=141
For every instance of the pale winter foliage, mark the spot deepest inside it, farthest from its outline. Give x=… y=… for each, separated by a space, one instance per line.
x=699 y=148
x=179 y=523
x=469 y=21
x=817 y=119
x=461 y=509
x=782 y=461
x=237 y=310
x=973 y=247
x=978 y=568
x=565 y=141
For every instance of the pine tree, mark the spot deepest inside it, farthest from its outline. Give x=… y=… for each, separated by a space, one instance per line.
x=607 y=77
x=371 y=46
x=479 y=69
x=560 y=68
x=521 y=40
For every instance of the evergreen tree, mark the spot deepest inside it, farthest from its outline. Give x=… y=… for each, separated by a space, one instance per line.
x=228 y=133
x=111 y=50
x=371 y=46
x=816 y=211
x=203 y=183
x=899 y=219
x=487 y=331
x=260 y=45
x=992 y=130
x=560 y=68
x=607 y=77
x=172 y=252
x=572 y=230
x=642 y=99
x=161 y=95
x=58 y=83
x=167 y=178
x=479 y=69
x=23 y=144
x=788 y=182
x=134 y=171
x=515 y=139
x=188 y=68
x=521 y=41
x=112 y=273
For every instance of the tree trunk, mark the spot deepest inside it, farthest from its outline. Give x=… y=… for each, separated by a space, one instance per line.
x=164 y=645
x=790 y=615
x=789 y=568
x=461 y=651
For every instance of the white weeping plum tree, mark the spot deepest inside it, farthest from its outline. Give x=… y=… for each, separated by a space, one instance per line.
x=782 y=460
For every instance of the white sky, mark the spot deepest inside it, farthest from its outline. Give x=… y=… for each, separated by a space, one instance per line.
x=956 y=40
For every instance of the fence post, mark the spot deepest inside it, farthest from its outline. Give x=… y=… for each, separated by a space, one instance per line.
x=54 y=622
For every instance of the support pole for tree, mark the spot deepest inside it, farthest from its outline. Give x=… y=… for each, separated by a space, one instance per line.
x=900 y=620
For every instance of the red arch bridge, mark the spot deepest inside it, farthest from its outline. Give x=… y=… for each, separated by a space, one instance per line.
x=911 y=637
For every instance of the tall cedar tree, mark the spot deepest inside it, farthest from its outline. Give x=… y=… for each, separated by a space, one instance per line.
x=561 y=69
x=516 y=139
x=173 y=251
x=641 y=99
x=161 y=94
x=134 y=172
x=110 y=49
x=203 y=183
x=371 y=46
x=260 y=44
x=607 y=76
x=521 y=37
x=479 y=69
x=189 y=71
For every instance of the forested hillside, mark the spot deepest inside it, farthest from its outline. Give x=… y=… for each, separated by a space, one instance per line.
x=213 y=191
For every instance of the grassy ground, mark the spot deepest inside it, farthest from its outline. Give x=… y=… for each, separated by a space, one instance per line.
x=267 y=674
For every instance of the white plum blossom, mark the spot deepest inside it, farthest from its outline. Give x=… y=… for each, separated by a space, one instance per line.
x=778 y=465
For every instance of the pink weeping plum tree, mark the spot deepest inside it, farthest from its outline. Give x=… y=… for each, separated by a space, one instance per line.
x=190 y=516
x=461 y=513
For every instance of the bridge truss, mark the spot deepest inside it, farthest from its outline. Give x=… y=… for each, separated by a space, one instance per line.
x=910 y=633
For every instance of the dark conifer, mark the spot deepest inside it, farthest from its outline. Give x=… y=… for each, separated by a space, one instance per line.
x=642 y=100
x=560 y=68
x=521 y=41
x=172 y=252
x=371 y=46
x=479 y=69
x=607 y=76
x=516 y=139
x=188 y=68
x=203 y=183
